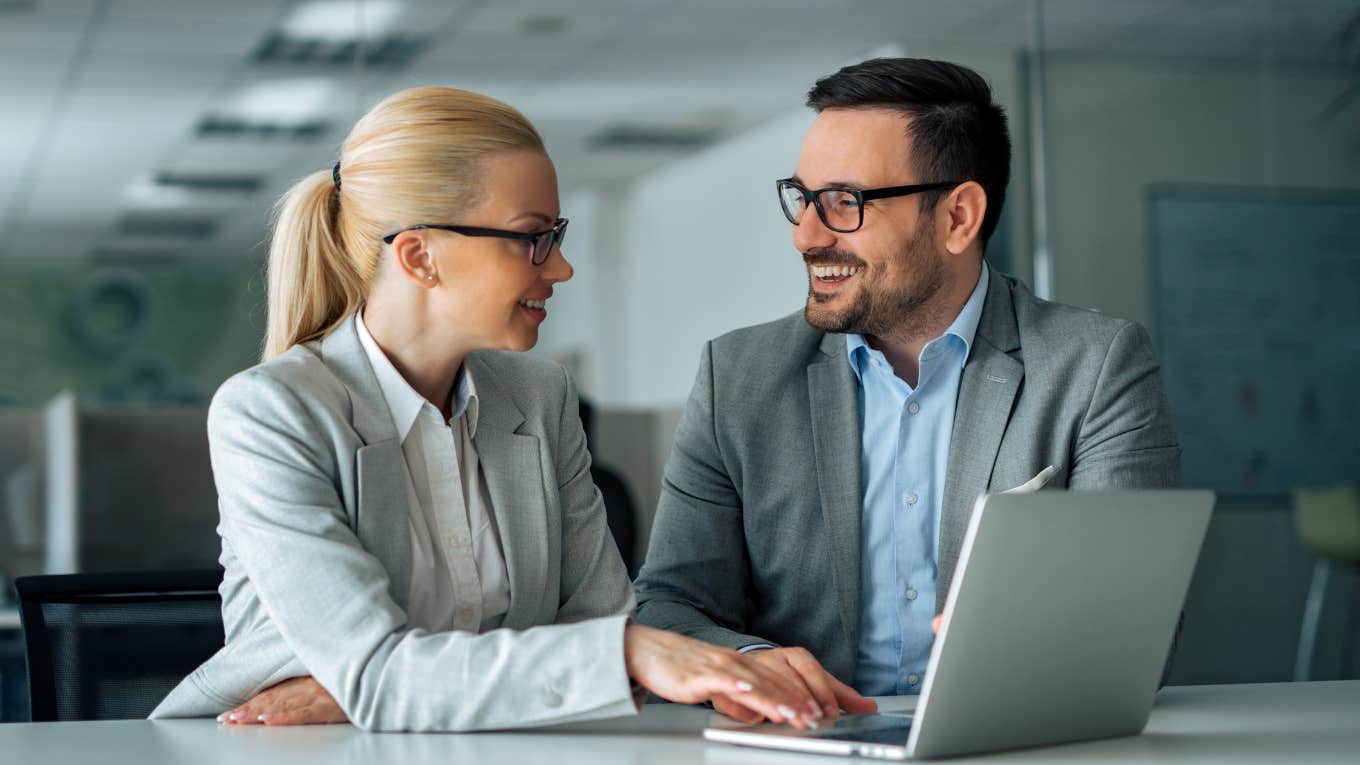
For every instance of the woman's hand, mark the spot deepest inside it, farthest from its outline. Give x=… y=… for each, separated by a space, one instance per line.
x=798 y=667
x=297 y=701
x=689 y=671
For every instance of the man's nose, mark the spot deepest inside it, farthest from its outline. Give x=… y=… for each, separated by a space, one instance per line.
x=810 y=232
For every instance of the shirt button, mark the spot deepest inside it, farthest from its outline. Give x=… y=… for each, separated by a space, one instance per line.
x=913 y=678
x=913 y=407
x=911 y=594
x=910 y=498
x=457 y=540
x=465 y=615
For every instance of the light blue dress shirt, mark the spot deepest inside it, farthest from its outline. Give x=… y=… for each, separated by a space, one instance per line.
x=904 y=454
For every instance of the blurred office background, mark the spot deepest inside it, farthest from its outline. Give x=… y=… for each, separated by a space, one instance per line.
x=1191 y=164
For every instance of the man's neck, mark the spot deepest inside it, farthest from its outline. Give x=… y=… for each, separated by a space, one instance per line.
x=902 y=347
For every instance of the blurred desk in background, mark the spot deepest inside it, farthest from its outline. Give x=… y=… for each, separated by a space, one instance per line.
x=1265 y=723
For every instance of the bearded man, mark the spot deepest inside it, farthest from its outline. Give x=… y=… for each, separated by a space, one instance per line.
x=827 y=463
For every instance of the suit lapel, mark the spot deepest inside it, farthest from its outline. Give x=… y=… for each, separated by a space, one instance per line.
x=514 y=481
x=991 y=380
x=834 y=400
x=382 y=508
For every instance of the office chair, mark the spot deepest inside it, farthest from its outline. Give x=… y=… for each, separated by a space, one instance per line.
x=619 y=513
x=1328 y=523
x=111 y=646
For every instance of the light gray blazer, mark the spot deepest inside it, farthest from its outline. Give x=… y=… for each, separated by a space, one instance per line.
x=316 y=544
x=757 y=534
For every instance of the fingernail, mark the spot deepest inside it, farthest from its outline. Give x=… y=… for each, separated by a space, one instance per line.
x=222 y=717
x=263 y=718
x=786 y=712
x=816 y=710
x=831 y=711
x=236 y=715
x=810 y=721
x=744 y=686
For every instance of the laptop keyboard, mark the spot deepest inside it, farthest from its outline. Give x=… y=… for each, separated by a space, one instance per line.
x=872 y=729
x=891 y=736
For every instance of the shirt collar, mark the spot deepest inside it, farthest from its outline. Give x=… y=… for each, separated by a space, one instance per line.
x=403 y=401
x=964 y=326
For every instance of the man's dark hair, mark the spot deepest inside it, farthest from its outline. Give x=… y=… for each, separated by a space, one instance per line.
x=957 y=132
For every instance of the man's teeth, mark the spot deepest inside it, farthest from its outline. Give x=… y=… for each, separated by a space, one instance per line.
x=823 y=272
x=534 y=303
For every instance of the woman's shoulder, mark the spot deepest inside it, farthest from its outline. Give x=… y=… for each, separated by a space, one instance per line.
x=296 y=380
x=532 y=382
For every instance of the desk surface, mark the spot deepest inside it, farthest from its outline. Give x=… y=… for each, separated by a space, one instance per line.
x=1268 y=723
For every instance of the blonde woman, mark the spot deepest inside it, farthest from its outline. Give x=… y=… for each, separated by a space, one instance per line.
x=410 y=534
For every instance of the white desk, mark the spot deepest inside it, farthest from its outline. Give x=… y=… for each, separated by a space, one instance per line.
x=1275 y=723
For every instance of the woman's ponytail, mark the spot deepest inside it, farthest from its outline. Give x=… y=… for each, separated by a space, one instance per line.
x=313 y=284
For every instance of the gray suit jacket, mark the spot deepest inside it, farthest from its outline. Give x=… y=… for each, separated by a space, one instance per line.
x=316 y=544
x=757 y=535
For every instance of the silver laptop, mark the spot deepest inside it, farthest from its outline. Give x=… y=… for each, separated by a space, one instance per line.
x=1056 y=629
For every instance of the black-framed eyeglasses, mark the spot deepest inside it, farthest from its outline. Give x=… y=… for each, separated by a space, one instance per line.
x=540 y=242
x=841 y=210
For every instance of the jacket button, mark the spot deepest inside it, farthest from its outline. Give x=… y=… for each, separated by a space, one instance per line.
x=552 y=698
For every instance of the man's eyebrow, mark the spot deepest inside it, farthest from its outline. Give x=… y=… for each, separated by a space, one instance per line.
x=538 y=215
x=831 y=185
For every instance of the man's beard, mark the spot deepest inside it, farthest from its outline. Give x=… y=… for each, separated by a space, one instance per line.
x=875 y=310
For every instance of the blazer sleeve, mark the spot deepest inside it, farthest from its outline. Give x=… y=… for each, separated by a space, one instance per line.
x=696 y=578
x=1126 y=439
x=329 y=598
x=594 y=579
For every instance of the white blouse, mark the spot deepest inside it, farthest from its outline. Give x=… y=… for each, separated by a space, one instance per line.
x=458 y=575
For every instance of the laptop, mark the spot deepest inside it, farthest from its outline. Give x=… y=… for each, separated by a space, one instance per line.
x=1057 y=626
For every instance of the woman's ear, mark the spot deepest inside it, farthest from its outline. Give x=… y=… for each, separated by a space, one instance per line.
x=411 y=253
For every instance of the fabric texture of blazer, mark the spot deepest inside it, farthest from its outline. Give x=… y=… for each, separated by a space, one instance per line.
x=757 y=533
x=316 y=544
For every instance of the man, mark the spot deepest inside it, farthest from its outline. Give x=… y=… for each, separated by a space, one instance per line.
x=826 y=464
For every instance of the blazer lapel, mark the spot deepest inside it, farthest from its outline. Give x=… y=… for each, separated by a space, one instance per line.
x=382 y=508
x=834 y=399
x=514 y=481
x=991 y=380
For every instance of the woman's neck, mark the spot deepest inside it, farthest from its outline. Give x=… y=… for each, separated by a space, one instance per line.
x=424 y=355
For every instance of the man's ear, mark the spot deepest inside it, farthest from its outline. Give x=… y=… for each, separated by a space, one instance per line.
x=961 y=212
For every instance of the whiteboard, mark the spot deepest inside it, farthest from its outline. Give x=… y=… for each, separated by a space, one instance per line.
x=1256 y=306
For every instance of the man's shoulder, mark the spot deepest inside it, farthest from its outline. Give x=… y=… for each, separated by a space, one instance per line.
x=1049 y=324
x=789 y=338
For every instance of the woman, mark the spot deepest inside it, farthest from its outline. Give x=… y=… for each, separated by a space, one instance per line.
x=409 y=531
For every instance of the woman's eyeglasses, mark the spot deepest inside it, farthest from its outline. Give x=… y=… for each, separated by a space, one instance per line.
x=541 y=243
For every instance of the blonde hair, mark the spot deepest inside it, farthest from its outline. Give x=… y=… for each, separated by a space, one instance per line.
x=416 y=157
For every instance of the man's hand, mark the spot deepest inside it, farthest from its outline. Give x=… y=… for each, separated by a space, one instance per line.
x=297 y=701
x=935 y=624
x=798 y=668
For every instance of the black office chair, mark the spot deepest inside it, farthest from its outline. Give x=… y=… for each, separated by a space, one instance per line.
x=111 y=646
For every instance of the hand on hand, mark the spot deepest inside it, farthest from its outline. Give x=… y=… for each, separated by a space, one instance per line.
x=688 y=671
x=296 y=701
x=797 y=667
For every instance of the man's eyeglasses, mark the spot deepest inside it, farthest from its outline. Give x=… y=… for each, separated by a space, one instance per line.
x=841 y=210
x=541 y=243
